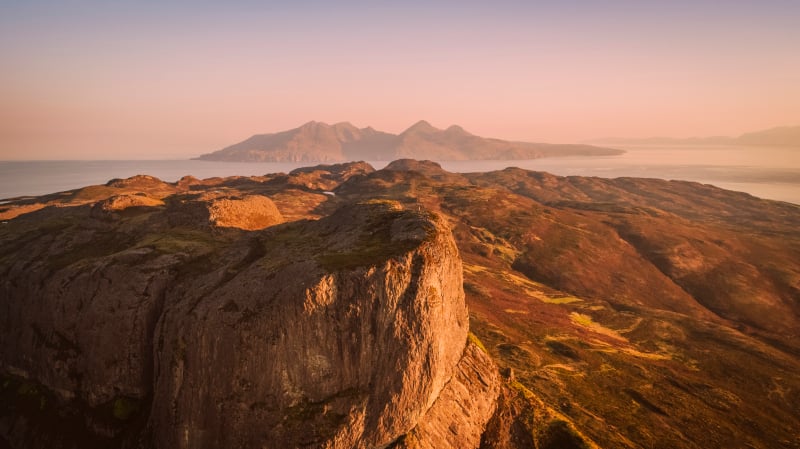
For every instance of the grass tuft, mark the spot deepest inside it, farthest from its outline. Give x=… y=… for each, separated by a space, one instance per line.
x=472 y=338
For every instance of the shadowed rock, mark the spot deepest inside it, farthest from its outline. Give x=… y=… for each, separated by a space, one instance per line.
x=625 y=313
x=346 y=332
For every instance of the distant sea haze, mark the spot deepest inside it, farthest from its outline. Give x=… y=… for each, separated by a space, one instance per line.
x=766 y=172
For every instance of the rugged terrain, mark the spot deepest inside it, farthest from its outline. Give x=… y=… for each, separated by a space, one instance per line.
x=242 y=312
x=320 y=142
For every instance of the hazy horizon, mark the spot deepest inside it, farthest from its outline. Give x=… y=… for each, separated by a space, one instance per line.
x=91 y=80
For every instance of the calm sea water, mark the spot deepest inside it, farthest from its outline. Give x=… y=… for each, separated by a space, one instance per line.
x=772 y=173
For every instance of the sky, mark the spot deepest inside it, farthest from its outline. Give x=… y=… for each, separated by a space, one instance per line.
x=174 y=79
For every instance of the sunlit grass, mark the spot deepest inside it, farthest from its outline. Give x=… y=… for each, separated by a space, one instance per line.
x=587 y=322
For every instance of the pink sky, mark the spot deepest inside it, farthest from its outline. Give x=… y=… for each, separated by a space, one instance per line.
x=90 y=81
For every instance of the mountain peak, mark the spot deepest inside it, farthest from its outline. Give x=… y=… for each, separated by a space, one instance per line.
x=455 y=129
x=344 y=125
x=313 y=124
x=421 y=126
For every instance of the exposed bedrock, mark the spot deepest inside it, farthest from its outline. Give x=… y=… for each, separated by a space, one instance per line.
x=346 y=332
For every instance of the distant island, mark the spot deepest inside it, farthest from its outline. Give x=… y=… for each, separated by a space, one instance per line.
x=321 y=142
x=779 y=136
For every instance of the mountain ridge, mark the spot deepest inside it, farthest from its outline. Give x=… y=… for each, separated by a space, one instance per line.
x=320 y=142
x=776 y=136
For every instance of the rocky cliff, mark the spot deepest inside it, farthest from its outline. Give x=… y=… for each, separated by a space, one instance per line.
x=145 y=330
x=322 y=308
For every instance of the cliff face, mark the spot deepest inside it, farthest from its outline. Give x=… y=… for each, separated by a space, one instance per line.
x=460 y=414
x=346 y=332
x=311 y=354
x=621 y=313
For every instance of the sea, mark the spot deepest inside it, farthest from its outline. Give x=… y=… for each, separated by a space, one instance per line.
x=766 y=172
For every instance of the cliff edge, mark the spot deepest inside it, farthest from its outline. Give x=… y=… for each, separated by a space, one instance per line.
x=144 y=331
x=323 y=308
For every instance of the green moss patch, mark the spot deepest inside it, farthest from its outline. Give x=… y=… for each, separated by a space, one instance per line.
x=124 y=408
x=472 y=338
x=374 y=245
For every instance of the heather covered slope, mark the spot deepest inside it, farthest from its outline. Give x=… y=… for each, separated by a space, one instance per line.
x=642 y=310
x=621 y=313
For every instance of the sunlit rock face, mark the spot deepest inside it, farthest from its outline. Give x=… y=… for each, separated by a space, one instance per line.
x=621 y=312
x=345 y=332
x=341 y=335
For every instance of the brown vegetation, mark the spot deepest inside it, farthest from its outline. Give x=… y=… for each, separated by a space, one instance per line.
x=624 y=313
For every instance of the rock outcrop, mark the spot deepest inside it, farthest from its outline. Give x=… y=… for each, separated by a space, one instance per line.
x=111 y=207
x=224 y=210
x=621 y=313
x=250 y=212
x=346 y=332
x=459 y=416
